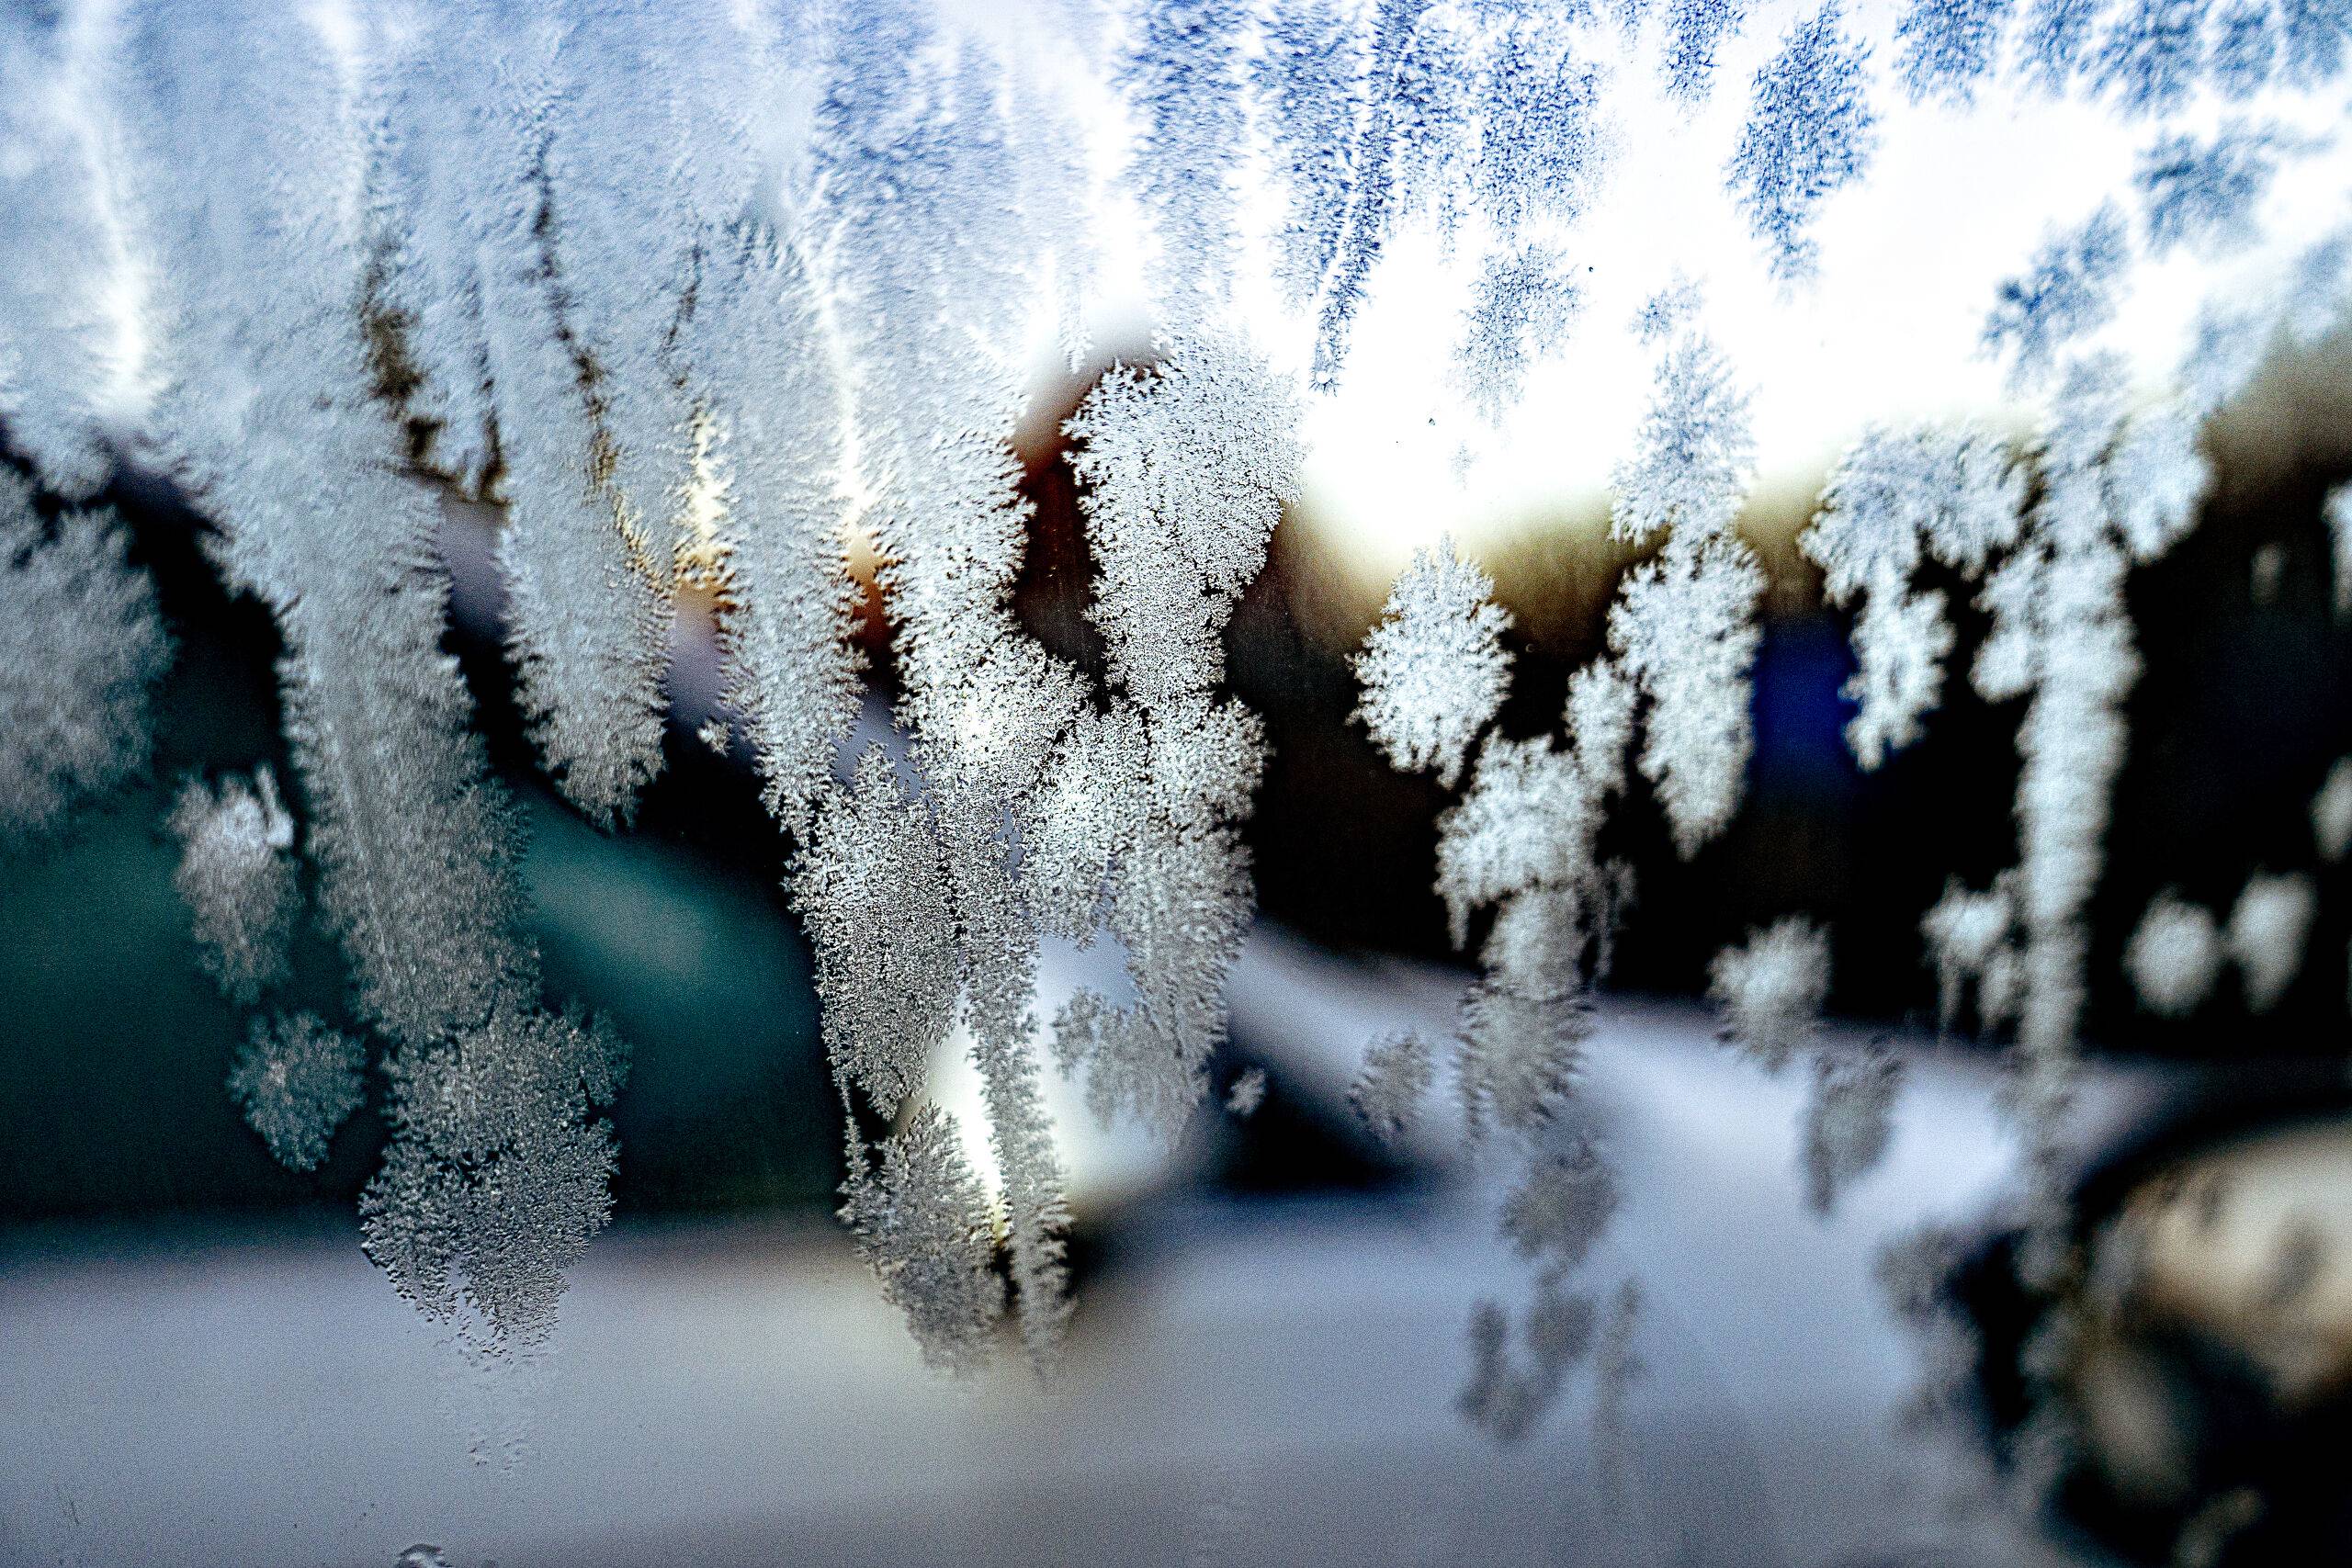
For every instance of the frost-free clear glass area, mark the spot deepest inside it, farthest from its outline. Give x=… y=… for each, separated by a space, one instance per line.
x=1326 y=781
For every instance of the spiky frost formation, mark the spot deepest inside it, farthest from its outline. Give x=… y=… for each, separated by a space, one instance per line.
x=1434 y=669
x=2150 y=55
x=873 y=889
x=928 y=282
x=1972 y=939
x=788 y=600
x=1080 y=817
x=2118 y=485
x=1184 y=80
x=1694 y=454
x=2269 y=926
x=999 y=957
x=1810 y=132
x=2332 y=812
x=2068 y=291
x=1849 y=1119
x=1247 y=1094
x=1563 y=1202
x=1540 y=146
x=80 y=645
x=1684 y=629
x=2243 y=49
x=1517 y=1058
x=1669 y=311
x=1521 y=307
x=1694 y=30
x=921 y=1223
x=488 y=224
x=1895 y=497
x=2205 y=195
x=1398 y=1072
x=1506 y=1393
x=1947 y=47
x=237 y=877
x=498 y=1176
x=1187 y=468
x=2174 y=957
x=1769 y=990
x=1528 y=821
x=1307 y=81
x=1411 y=144
x=296 y=1080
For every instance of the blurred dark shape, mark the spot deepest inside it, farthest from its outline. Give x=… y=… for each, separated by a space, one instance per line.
x=2192 y=1378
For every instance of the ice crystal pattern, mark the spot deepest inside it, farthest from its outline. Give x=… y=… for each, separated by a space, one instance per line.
x=1770 y=989
x=1433 y=671
x=1809 y=133
x=81 y=647
x=237 y=877
x=697 y=306
x=297 y=1080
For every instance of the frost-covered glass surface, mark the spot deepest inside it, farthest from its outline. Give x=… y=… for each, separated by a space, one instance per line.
x=1014 y=621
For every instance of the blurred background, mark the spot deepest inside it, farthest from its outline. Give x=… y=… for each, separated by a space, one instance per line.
x=1270 y=1340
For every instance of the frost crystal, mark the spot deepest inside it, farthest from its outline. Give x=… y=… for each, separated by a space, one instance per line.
x=786 y=597
x=2311 y=41
x=1187 y=468
x=1669 y=311
x=2054 y=46
x=2268 y=928
x=1684 y=628
x=2150 y=55
x=2244 y=47
x=1308 y=83
x=874 y=892
x=1506 y=1396
x=2068 y=291
x=1810 y=132
x=1849 y=1119
x=1246 y=1093
x=1694 y=456
x=1517 y=1058
x=2174 y=957
x=2204 y=193
x=1386 y=1096
x=1561 y=1207
x=1434 y=669
x=1770 y=990
x=1948 y=46
x=297 y=1080
x=1410 y=143
x=921 y=1223
x=1521 y=310
x=81 y=644
x=1894 y=496
x=237 y=877
x=1694 y=30
x=1185 y=81
x=1970 y=937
